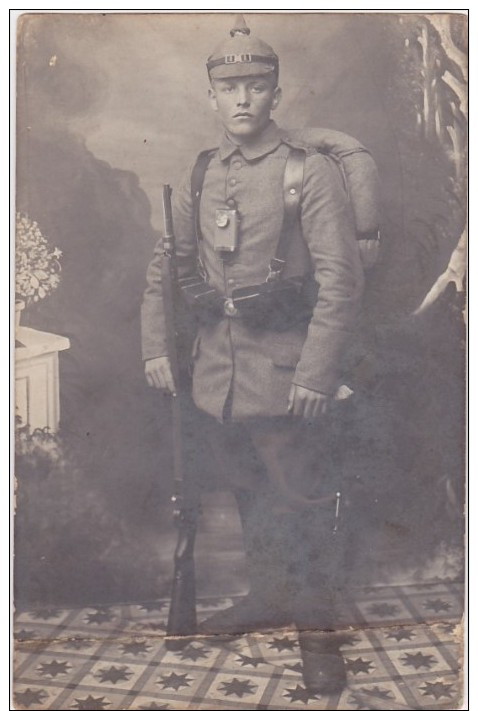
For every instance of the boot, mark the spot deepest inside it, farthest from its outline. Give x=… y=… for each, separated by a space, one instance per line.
x=322 y=661
x=268 y=604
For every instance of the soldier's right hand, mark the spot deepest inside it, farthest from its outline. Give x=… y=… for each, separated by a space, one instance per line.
x=158 y=374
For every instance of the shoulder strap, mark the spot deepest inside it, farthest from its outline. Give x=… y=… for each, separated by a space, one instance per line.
x=292 y=189
x=197 y=180
x=292 y=192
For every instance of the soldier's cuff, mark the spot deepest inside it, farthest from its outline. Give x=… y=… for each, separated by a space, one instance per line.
x=153 y=349
x=153 y=357
x=323 y=387
x=314 y=390
x=319 y=367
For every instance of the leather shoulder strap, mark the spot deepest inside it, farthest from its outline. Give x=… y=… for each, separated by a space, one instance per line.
x=292 y=193
x=197 y=180
x=292 y=190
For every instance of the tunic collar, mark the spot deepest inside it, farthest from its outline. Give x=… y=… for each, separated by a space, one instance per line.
x=264 y=143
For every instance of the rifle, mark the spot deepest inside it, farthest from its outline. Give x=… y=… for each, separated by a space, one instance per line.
x=182 y=612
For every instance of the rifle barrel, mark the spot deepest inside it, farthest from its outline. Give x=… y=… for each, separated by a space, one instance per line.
x=168 y=219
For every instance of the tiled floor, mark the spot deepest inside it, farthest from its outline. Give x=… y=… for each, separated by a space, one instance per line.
x=401 y=649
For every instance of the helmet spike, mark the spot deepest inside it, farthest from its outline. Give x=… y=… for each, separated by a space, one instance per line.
x=240 y=27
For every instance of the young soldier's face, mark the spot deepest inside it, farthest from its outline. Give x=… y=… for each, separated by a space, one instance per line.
x=244 y=104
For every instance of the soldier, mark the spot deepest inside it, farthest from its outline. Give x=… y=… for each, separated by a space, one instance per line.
x=269 y=385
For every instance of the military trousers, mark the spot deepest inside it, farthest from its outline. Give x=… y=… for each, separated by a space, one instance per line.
x=285 y=474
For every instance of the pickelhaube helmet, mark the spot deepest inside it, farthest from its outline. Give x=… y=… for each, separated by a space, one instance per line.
x=242 y=55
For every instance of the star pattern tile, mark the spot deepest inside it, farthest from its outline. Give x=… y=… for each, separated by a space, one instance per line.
x=437 y=605
x=237 y=687
x=282 y=644
x=92 y=703
x=437 y=689
x=448 y=627
x=357 y=702
x=175 y=681
x=358 y=666
x=418 y=660
x=124 y=664
x=113 y=674
x=99 y=617
x=300 y=693
x=24 y=635
x=246 y=661
x=297 y=667
x=377 y=692
x=31 y=697
x=54 y=668
x=350 y=640
x=136 y=648
x=364 y=699
x=193 y=652
x=48 y=614
x=383 y=609
x=401 y=634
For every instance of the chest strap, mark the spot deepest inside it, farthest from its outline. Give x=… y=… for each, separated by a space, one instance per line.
x=292 y=194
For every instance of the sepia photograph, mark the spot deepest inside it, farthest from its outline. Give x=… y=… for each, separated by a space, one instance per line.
x=240 y=360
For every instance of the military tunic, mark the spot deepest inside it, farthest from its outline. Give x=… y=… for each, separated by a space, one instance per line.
x=251 y=370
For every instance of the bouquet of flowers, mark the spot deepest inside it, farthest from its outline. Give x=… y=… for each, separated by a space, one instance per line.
x=37 y=266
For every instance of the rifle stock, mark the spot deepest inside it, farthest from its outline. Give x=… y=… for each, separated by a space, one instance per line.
x=182 y=620
x=182 y=613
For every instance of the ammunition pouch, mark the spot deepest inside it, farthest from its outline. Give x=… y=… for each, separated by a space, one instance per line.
x=276 y=305
x=273 y=305
x=206 y=304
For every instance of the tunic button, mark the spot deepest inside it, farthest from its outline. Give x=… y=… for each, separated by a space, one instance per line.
x=237 y=164
x=231 y=202
x=232 y=181
x=231 y=281
x=292 y=191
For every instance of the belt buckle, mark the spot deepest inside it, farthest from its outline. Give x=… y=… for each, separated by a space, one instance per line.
x=229 y=308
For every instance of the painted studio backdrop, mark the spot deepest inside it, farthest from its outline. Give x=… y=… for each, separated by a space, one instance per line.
x=110 y=108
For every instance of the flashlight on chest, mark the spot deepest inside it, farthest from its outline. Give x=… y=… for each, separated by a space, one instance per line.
x=226 y=230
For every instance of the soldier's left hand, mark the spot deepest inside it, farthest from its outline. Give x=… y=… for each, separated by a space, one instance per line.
x=306 y=403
